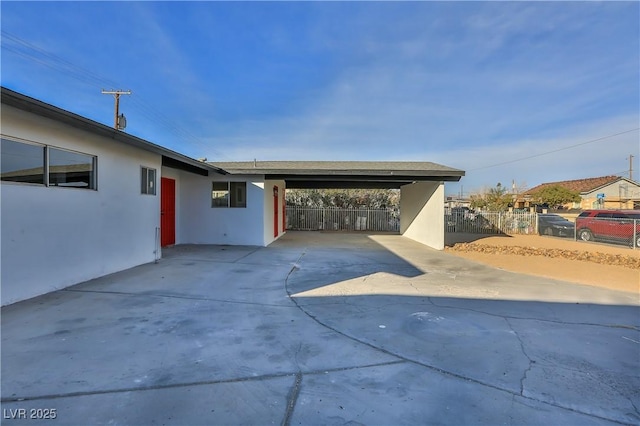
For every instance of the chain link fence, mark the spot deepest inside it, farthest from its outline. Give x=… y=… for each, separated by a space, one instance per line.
x=468 y=221
x=611 y=230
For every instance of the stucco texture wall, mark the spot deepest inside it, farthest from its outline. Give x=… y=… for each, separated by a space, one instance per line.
x=202 y=224
x=618 y=195
x=422 y=213
x=53 y=237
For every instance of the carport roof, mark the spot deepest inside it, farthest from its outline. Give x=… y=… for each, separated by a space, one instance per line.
x=344 y=174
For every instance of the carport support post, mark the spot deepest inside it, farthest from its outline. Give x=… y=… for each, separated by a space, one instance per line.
x=422 y=213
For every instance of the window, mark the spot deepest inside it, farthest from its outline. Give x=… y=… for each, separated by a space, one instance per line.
x=220 y=194
x=238 y=192
x=22 y=162
x=148 y=181
x=229 y=194
x=71 y=169
x=604 y=215
x=47 y=165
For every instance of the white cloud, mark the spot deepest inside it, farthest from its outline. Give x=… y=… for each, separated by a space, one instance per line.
x=462 y=84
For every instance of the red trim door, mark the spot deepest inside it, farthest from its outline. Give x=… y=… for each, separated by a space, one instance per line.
x=284 y=210
x=167 y=212
x=275 y=211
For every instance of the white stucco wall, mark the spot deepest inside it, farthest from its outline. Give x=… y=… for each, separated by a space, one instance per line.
x=268 y=210
x=422 y=213
x=202 y=224
x=54 y=237
x=615 y=190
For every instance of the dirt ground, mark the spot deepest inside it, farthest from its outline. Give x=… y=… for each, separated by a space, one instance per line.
x=601 y=265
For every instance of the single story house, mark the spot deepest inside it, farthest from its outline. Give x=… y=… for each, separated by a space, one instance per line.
x=81 y=199
x=605 y=192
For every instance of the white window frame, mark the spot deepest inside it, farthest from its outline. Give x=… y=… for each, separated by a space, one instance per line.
x=148 y=187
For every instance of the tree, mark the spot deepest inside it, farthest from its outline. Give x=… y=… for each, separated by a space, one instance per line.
x=344 y=198
x=555 y=196
x=495 y=199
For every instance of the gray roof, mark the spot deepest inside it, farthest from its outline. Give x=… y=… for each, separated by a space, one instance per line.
x=344 y=174
x=297 y=174
x=169 y=158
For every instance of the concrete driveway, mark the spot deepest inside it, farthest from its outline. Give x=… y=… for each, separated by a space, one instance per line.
x=322 y=328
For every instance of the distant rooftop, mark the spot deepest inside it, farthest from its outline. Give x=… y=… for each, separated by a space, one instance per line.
x=579 y=185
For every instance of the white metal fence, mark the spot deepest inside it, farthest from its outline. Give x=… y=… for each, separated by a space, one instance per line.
x=337 y=219
x=490 y=222
x=464 y=221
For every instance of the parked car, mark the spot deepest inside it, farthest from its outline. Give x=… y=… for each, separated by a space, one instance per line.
x=553 y=224
x=463 y=213
x=616 y=226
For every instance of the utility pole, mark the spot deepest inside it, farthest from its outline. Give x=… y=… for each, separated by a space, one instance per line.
x=630 y=167
x=117 y=124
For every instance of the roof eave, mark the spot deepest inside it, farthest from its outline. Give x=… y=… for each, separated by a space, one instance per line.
x=42 y=109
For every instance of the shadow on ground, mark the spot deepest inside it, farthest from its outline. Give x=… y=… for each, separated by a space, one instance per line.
x=323 y=328
x=452 y=238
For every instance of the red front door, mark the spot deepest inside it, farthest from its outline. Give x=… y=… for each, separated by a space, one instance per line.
x=276 y=206
x=167 y=212
x=284 y=211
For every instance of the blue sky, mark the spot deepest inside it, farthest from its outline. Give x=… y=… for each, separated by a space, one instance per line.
x=471 y=85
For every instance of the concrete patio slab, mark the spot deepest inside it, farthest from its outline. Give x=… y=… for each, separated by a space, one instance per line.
x=322 y=328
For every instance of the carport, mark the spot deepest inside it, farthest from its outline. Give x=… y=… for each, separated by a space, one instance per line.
x=421 y=186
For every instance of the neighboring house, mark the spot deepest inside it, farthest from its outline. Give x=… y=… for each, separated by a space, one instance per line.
x=453 y=201
x=606 y=192
x=81 y=200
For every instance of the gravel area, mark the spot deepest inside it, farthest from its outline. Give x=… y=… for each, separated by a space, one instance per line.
x=601 y=265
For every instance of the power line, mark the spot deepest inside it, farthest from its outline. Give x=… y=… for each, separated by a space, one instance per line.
x=556 y=150
x=30 y=51
x=620 y=173
x=40 y=56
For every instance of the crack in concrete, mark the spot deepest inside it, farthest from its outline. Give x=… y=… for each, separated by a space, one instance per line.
x=246 y=255
x=295 y=356
x=414 y=287
x=292 y=399
x=624 y=326
x=451 y=373
x=634 y=407
x=171 y=296
x=524 y=352
x=196 y=383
